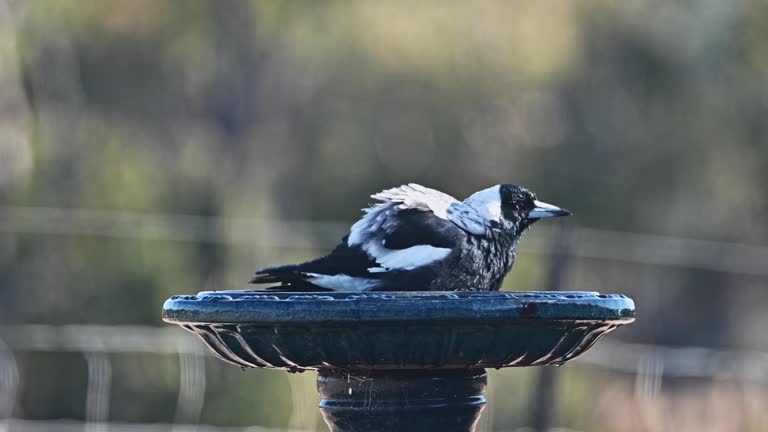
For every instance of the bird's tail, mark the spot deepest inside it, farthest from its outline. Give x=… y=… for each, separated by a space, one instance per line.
x=286 y=278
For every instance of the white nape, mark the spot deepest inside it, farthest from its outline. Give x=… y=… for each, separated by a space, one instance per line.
x=476 y=212
x=342 y=282
x=487 y=203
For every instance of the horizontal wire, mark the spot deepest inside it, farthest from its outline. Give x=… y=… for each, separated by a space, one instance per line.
x=680 y=361
x=100 y=338
x=589 y=243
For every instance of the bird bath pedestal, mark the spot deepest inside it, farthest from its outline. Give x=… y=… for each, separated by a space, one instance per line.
x=399 y=361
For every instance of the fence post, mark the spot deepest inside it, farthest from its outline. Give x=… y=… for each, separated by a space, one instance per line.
x=543 y=400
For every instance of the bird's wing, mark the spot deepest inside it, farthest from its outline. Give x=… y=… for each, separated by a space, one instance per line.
x=474 y=215
x=408 y=229
x=392 y=201
x=417 y=197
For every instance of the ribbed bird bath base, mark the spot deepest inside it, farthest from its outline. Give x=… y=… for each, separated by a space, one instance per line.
x=404 y=361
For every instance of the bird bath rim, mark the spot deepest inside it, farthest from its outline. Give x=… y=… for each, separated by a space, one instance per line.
x=252 y=306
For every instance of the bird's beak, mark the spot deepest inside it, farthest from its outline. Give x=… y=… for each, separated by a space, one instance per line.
x=543 y=210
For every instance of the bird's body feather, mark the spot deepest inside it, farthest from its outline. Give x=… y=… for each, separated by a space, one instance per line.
x=415 y=238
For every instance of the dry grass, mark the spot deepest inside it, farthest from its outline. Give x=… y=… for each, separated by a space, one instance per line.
x=724 y=406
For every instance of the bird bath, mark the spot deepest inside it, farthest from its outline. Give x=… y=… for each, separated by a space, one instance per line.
x=399 y=361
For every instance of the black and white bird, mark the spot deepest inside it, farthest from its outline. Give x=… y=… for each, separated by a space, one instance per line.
x=420 y=239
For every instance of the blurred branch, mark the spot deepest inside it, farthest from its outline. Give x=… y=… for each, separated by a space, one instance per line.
x=586 y=242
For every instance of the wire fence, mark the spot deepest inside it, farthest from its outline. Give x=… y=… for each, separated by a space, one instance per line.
x=98 y=344
x=637 y=248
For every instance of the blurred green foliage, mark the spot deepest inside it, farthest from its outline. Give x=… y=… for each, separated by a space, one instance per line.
x=639 y=116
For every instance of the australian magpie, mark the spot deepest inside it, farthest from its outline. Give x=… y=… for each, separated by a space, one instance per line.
x=420 y=239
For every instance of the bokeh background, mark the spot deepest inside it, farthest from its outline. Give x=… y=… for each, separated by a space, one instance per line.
x=149 y=148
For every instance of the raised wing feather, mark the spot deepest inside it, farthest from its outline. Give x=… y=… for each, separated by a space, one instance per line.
x=393 y=201
x=417 y=197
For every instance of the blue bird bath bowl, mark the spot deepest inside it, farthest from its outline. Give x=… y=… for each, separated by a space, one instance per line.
x=399 y=361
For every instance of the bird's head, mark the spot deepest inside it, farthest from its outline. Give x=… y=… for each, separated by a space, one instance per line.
x=512 y=208
x=520 y=207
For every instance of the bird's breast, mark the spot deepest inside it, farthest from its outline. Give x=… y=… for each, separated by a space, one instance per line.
x=481 y=264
